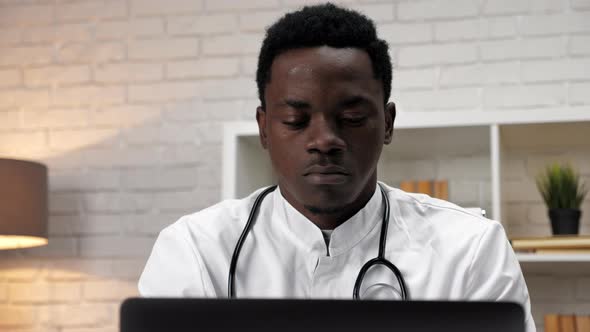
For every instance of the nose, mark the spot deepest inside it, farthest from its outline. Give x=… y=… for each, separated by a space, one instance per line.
x=324 y=137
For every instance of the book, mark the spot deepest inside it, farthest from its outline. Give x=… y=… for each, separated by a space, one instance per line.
x=567 y=323
x=438 y=189
x=408 y=186
x=582 y=323
x=424 y=187
x=551 y=242
x=441 y=189
x=551 y=323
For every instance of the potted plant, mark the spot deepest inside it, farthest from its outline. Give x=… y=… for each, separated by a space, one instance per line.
x=563 y=193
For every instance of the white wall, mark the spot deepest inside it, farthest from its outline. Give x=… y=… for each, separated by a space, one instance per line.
x=124 y=101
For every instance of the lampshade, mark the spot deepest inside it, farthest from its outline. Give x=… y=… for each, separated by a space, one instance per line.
x=23 y=204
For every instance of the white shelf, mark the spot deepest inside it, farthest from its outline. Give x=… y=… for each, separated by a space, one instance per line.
x=546 y=136
x=420 y=135
x=442 y=119
x=552 y=258
x=437 y=142
x=554 y=263
x=484 y=118
x=486 y=136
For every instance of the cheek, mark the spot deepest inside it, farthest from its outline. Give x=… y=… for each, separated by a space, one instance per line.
x=283 y=155
x=366 y=151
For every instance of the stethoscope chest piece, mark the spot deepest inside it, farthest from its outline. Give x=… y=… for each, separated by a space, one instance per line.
x=380 y=284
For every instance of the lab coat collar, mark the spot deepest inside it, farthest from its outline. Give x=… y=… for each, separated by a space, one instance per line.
x=344 y=237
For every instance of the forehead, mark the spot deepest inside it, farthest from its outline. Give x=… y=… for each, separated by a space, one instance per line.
x=322 y=63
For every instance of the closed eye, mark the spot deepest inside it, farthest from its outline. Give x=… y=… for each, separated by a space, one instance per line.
x=295 y=119
x=294 y=124
x=355 y=110
x=295 y=116
x=354 y=120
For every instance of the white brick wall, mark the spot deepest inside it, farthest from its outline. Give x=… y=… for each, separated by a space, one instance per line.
x=56 y=75
x=400 y=33
x=158 y=8
x=130 y=28
x=202 y=24
x=425 y=55
x=128 y=72
x=162 y=48
x=514 y=96
x=205 y=68
x=433 y=9
x=124 y=100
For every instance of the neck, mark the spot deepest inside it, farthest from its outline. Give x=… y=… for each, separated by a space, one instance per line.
x=333 y=217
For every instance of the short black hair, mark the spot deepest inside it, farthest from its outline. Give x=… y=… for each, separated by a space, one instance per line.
x=323 y=25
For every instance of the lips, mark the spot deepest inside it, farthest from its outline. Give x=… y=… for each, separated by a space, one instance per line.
x=326 y=174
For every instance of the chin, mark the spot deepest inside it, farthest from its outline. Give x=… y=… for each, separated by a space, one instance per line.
x=322 y=197
x=322 y=210
x=327 y=202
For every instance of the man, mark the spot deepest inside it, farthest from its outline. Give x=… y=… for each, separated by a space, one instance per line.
x=324 y=80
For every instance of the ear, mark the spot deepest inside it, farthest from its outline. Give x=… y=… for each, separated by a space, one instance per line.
x=261 y=119
x=389 y=120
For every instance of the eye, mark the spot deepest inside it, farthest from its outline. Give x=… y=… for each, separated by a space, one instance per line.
x=295 y=122
x=354 y=119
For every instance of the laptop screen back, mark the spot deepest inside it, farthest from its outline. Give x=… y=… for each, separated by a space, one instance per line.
x=204 y=315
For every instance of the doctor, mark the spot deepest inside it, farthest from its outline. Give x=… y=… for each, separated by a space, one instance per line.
x=324 y=81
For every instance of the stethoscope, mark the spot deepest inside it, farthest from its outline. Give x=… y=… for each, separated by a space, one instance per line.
x=379 y=260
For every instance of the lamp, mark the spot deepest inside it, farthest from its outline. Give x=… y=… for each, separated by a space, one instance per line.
x=23 y=204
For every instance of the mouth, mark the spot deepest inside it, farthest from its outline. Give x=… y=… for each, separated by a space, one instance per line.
x=329 y=174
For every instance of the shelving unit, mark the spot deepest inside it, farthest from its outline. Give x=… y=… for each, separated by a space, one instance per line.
x=427 y=141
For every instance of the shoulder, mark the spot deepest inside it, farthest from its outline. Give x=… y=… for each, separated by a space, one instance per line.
x=176 y=266
x=215 y=220
x=438 y=222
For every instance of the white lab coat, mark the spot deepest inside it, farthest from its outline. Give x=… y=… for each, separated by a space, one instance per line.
x=442 y=251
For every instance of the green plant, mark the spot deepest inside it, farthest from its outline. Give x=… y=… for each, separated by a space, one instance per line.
x=560 y=187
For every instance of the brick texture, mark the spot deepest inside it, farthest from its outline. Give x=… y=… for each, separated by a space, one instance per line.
x=432 y=9
x=124 y=100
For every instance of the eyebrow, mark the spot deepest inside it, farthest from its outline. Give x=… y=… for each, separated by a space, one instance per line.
x=297 y=104
x=346 y=102
x=354 y=100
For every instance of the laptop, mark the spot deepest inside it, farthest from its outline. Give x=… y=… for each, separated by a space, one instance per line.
x=223 y=315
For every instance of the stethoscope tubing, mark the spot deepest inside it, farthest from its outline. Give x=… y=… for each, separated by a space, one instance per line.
x=234 y=260
x=379 y=260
